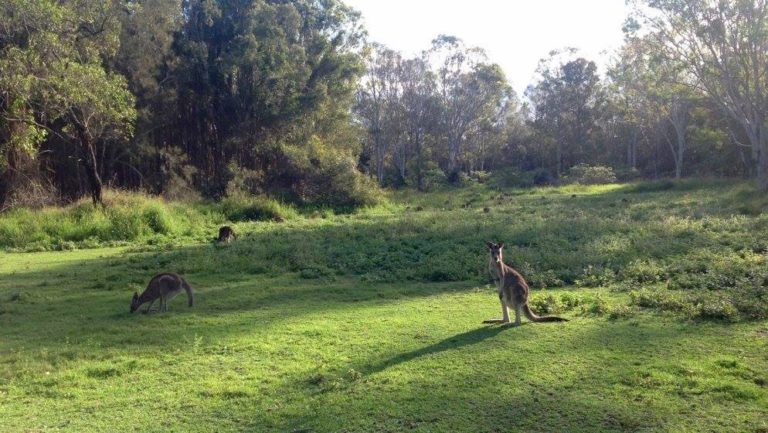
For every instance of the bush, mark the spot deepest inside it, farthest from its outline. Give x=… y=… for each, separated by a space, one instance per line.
x=549 y=304
x=256 y=209
x=595 y=276
x=511 y=178
x=586 y=174
x=619 y=312
x=158 y=219
x=706 y=305
x=174 y=176
x=642 y=271
x=542 y=177
x=434 y=178
x=718 y=309
x=472 y=178
x=325 y=176
x=125 y=224
x=654 y=186
x=628 y=174
x=244 y=182
x=598 y=306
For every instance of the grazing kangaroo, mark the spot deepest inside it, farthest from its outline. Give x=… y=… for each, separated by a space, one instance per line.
x=163 y=286
x=513 y=290
x=226 y=234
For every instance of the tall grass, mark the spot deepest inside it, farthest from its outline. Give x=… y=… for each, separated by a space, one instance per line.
x=129 y=218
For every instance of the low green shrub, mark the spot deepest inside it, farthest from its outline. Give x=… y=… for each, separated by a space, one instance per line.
x=642 y=271
x=653 y=186
x=542 y=177
x=434 y=179
x=549 y=304
x=729 y=306
x=511 y=178
x=256 y=209
x=158 y=219
x=595 y=276
x=617 y=312
x=586 y=174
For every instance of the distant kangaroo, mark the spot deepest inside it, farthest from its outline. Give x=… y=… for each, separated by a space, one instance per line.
x=163 y=286
x=513 y=290
x=226 y=234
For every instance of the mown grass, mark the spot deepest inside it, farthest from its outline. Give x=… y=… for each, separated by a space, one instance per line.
x=371 y=321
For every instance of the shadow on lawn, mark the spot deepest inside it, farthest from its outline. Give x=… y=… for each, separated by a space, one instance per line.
x=458 y=341
x=586 y=383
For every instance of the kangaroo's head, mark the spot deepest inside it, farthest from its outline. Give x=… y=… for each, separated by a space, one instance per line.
x=135 y=302
x=495 y=250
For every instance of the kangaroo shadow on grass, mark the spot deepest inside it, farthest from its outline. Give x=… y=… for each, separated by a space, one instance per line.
x=543 y=391
x=457 y=341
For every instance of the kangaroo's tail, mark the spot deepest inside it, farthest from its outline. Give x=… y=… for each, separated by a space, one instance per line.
x=190 y=293
x=534 y=318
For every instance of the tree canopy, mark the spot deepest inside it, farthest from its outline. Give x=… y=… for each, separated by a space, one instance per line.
x=216 y=98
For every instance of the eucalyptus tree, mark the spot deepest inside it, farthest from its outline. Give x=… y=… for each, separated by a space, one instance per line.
x=53 y=80
x=488 y=132
x=419 y=103
x=470 y=91
x=658 y=93
x=566 y=101
x=259 y=81
x=724 y=45
x=147 y=59
x=378 y=106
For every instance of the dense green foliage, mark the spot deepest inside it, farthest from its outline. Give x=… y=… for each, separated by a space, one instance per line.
x=288 y=99
x=371 y=321
x=214 y=88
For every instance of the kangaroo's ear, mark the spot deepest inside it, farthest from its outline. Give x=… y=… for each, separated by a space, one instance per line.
x=489 y=244
x=501 y=245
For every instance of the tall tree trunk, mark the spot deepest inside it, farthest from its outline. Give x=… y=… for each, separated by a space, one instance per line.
x=91 y=167
x=757 y=132
x=677 y=149
x=679 y=118
x=380 y=154
x=453 y=156
x=762 y=158
x=632 y=150
x=419 y=164
x=403 y=161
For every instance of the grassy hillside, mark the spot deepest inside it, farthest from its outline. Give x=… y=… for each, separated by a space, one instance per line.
x=371 y=321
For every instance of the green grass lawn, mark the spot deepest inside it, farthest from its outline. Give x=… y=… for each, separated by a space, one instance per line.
x=371 y=321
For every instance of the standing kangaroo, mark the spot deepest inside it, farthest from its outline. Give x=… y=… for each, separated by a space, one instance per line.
x=163 y=286
x=513 y=290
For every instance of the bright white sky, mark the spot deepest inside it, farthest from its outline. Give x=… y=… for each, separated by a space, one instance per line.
x=514 y=33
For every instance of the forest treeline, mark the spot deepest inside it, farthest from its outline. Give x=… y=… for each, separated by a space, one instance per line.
x=215 y=98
